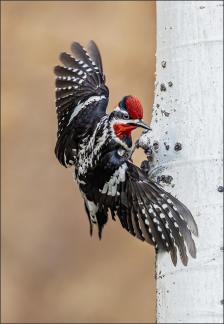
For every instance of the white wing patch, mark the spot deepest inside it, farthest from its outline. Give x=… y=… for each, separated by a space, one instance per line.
x=82 y=105
x=110 y=187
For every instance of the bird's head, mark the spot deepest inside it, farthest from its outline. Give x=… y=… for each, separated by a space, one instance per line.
x=126 y=117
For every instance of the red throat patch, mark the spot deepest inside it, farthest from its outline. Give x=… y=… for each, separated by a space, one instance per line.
x=134 y=107
x=123 y=129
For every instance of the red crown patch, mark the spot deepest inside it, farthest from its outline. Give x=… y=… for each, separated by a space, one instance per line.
x=134 y=107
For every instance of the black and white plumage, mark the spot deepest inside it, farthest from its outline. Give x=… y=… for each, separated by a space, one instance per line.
x=99 y=145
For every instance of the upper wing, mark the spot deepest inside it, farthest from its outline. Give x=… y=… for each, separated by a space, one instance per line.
x=80 y=83
x=148 y=212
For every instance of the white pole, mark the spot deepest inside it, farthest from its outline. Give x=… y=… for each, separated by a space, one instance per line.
x=187 y=123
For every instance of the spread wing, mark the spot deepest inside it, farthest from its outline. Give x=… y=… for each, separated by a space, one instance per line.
x=148 y=212
x=81 y=97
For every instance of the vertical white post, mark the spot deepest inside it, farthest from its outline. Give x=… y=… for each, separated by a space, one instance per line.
x=188 y=125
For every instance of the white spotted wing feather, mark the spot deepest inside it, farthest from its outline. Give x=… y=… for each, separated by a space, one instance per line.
x=150 y=213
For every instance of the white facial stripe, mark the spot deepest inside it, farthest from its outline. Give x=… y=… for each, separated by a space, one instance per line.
x=82 y=105
x=124 y=121
x=117 y=109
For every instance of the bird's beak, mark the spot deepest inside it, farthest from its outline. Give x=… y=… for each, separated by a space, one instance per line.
x=139 y=123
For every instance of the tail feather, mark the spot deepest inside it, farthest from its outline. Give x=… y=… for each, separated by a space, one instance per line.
x=101 y=216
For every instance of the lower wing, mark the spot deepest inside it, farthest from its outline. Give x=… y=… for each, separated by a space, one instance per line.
x=147 y=211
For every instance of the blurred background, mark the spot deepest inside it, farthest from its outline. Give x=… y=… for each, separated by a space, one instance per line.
x=52 y=271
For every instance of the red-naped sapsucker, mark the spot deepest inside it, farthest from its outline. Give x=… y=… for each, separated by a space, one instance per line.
x=98 y=145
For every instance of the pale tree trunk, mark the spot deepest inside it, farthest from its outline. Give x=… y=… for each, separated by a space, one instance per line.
x=188 y=125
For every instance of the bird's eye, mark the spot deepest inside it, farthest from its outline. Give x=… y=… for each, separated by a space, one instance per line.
x=125 y=115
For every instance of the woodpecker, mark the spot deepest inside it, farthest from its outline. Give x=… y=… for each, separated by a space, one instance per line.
x=98 y=146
